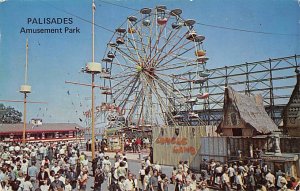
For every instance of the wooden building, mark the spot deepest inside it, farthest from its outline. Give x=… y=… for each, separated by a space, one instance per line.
x=244 y=116
x=173 y=144
x=38 y=131
x=291 y=113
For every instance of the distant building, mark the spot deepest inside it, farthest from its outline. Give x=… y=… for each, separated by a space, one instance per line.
x=244 y=116
x=291 y=112
x=38 y=131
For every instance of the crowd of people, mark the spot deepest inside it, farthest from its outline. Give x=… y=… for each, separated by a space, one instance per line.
x=42 y=166
x=240 y=175
x=135 y=144
x=64 y=166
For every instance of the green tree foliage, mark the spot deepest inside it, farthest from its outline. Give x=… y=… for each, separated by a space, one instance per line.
x=9 y=114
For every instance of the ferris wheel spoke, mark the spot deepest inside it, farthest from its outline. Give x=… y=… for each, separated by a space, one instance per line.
x=178 y=97
x=168 y=40
x=161 y=102
x=127 y=64
x=124 y=74
x=172 y=52
x=122 y=89
x=135 y=104
x=126 y=55
x=155 y=46
x=173 y=58
x=161 y=50
x=172 y=102
x=177 y=66
x=170 y=90
x=124 y=102
x=166 y=108
x=140 y=114
x=143 y=46
x=121 y=79
x=135 y=48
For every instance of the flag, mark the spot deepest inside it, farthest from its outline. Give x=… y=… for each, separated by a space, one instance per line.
x=94 y=6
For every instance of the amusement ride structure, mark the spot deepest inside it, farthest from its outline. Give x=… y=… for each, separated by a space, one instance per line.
x=274 y=79
x=140 y=65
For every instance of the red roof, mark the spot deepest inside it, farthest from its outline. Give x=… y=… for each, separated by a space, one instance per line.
x=45 y=127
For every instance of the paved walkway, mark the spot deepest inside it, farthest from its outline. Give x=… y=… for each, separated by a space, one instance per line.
x=136 y=158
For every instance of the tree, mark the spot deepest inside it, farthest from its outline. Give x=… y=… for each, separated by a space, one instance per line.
x=9 y=114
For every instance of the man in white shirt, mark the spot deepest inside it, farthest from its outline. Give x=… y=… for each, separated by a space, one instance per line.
x=270 y=178
x=148 y=163
x=106 y=165
x=62 y=151
x=231 y=174
x=129 y=183
x=41 y=152
x=225 y=181
x=73 y=159
x=61 y=178
x=55 y=168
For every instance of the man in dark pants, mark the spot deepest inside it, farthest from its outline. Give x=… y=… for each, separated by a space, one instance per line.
x=151 y=155
x=99 y=179
x=43 y=176
x=94 y=165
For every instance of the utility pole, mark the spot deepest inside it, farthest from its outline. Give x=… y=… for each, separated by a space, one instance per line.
x=92 y=68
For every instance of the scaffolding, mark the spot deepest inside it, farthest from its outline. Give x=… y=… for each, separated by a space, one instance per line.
x=274 y=79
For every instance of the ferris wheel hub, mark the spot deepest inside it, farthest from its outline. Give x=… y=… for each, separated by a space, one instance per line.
x=139 y=68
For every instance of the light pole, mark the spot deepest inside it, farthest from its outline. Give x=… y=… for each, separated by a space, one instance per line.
x=25 y=89
x=92 y=68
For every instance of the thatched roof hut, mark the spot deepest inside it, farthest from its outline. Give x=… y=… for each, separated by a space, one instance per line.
x=244 y=115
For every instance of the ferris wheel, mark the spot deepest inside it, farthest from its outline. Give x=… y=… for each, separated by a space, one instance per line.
x=143 y=58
